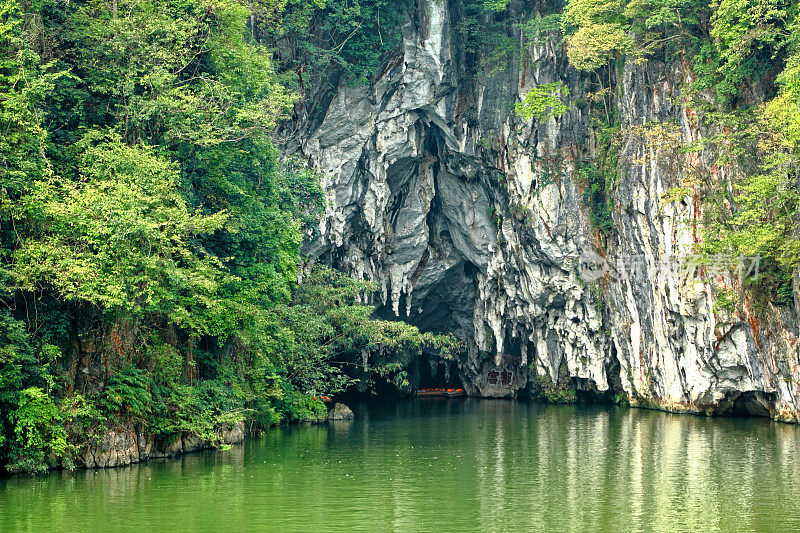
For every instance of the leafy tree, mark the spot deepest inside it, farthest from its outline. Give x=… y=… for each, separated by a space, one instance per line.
x=39 y=435
x=765 y=216
x=150 y=230
x=543 y=101
x=599 y=31
x=747 y=34
x=120 y=237
x=323 y=40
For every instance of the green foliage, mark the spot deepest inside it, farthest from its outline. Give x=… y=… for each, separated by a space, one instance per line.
x=120 y=237
x=197 y=411
x=301 y=407
x=150 y=230
x=596 y=32
x=171 y=71
x=599 y=31
x=725 y=300
x=495 y=5
x=162 y=359
x=595 y=197
x=754 y=210
x=747 y=35
x=318 y=40
x=537 y=28
x=39 y=436
x=555 y=394
x=483 y=30
x=601 y=176
x=543 y=102
x=767 y=201
x=16 y=357
x=335 y=335
x=772 y=285
x=130 y=394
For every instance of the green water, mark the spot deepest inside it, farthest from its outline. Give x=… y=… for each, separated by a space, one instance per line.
x=447 y=465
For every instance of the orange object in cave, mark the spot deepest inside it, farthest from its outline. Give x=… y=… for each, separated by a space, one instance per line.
x=440 y=393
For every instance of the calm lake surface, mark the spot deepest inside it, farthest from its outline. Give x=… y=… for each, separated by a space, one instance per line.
x=447 y=465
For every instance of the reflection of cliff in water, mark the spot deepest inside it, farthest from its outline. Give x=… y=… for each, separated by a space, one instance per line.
x=468 y=464
x=472 y=221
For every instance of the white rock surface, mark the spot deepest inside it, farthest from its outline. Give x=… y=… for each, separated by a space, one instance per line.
x=471 y=220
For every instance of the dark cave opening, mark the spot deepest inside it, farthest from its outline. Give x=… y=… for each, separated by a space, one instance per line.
x=435 y=373
x=747 y=404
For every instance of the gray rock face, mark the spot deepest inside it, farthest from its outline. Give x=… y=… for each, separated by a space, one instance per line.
x=118 y=447
x=340 y=412
x=232 y=433
x=128 y=444
x=471 y=220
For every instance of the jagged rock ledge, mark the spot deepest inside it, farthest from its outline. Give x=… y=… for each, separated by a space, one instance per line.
x=123 y=446
x=130 y=444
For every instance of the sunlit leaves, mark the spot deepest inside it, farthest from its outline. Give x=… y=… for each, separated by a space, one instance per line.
x=121 y=237
x=543 y=101
x=599 y=31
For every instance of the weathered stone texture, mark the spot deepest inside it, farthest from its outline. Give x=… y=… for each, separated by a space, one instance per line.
x=471 y=220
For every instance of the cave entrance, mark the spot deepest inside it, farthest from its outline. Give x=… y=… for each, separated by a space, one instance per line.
x=747 y=404
x=438 y=377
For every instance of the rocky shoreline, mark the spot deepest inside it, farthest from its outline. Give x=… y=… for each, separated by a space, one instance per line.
x=123 y=446
x=131 y=444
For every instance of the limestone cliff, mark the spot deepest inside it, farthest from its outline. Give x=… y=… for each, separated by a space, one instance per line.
x=472 y=221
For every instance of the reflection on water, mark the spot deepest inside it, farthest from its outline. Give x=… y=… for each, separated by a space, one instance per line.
x=451 y=465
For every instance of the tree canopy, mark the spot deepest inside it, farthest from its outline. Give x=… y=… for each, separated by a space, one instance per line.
x=150 y=231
